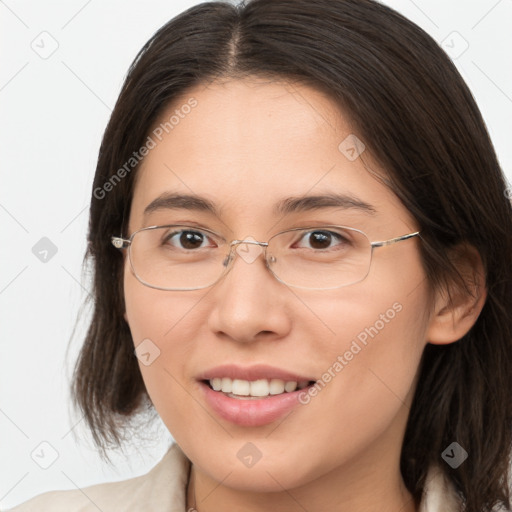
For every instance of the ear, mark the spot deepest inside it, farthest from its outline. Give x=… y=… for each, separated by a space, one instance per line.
x=456 y=308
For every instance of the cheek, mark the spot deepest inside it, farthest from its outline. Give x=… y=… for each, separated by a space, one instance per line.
x=373 y=361
x=369 y=357
x=380 y=325
x=382 y=319
x=151 y=313
x=162 y=323
x=141 y=304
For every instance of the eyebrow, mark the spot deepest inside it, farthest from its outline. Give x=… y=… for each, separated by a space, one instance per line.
x=286 y=206
x=330 y=200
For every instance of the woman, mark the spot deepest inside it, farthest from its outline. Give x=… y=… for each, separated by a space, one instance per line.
x=301 y=244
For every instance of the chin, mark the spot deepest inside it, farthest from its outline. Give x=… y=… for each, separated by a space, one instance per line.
x=268 y=474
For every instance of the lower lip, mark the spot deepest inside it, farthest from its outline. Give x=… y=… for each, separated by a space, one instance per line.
x=250 y=412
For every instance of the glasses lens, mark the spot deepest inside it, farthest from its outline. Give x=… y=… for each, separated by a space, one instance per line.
x=320 y=258
x=177 y=257
x=185 y=258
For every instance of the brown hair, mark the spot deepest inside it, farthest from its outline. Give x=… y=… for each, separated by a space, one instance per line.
x=419 y=121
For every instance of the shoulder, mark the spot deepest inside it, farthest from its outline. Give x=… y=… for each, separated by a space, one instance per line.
x=162 y=488
x=439 y=494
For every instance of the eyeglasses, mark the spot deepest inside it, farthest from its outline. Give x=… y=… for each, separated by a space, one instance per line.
x=180 y=257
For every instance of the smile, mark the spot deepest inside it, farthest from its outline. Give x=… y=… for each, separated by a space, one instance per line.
x=245 y=389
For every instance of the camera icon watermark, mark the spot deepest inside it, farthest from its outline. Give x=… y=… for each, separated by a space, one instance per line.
x=44 y=455
x=44 y=250
x=45 y=45
x=147 y=352
x=454 y=45
x=454 y=455
x=249 y=455
x=249 y=252
x=352 y=147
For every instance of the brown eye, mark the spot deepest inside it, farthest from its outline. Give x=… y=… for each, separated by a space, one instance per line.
x=186 y=239
x=321 y=240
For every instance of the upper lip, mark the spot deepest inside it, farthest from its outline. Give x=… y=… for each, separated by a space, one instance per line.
x=251 y=373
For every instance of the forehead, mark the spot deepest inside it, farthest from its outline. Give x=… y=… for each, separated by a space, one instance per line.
x=248 y=123
x=245 y=144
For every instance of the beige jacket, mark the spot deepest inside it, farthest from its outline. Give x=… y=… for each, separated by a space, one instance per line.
x=163 y=489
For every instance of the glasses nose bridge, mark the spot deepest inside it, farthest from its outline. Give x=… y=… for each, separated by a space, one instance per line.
x=247 y=241
x=234 y=243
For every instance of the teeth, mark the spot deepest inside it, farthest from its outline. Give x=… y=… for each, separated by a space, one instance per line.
x=256 y=388
x=290 y=386
x=241 y=387
x=216 y=384
x=226 y=385
x=259 y=387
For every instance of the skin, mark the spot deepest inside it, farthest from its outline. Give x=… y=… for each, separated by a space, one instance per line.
x=246 y=145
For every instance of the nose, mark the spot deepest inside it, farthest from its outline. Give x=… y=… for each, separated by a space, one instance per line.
x=248 y=303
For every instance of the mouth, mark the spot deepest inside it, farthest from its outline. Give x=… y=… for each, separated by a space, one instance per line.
x=252 y=396
x=252 y=403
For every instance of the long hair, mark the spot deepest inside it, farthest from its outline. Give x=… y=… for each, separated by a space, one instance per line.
x=418 y=119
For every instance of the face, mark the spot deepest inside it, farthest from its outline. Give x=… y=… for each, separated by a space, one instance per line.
x=245 y=146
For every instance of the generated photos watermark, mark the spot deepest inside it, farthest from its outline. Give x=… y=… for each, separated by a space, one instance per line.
x=357 y=345
x=151 y=143
x=454 y=455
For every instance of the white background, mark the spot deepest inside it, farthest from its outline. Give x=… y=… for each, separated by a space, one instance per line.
x=53 y=113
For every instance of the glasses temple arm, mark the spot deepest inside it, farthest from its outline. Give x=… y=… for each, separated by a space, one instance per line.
x=394 y=240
